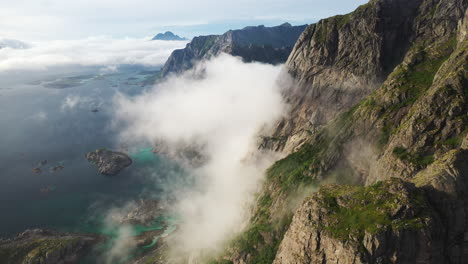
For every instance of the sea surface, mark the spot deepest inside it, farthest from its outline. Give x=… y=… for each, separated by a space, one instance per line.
x=51 y=121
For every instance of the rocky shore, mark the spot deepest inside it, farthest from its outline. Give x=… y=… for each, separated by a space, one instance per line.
x=41 y=246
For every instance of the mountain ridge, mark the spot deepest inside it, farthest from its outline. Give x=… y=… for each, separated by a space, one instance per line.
x=263 y=44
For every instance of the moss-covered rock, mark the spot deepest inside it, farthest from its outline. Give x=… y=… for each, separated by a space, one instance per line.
x=389 y=222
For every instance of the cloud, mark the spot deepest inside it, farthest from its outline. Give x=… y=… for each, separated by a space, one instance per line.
x=122 y=245
x=73 y=101
x=40 y=116
x=12 y=43
x=96 y=51
x=223 y=111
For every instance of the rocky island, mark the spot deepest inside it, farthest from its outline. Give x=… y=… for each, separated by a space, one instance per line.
x=109 y=162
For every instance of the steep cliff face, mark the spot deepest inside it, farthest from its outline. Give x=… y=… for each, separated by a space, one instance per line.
x=404 y=116
x=263 y=44
x=389 y=222
x=340 y=60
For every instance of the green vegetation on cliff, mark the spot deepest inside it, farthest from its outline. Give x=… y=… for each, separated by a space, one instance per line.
x=414 y=117
x=354 y=210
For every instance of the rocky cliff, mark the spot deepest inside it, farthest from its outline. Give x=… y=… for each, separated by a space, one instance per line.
x=380 y=94
x=341 y=60
x=263 y=44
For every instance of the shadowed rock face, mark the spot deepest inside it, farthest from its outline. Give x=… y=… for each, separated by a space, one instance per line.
x=263 y=44
x=39 y=246
x=109 y=162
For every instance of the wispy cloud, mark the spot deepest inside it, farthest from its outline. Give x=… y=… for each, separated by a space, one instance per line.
x=73 y=101
x=40 y=116
x=223 y=111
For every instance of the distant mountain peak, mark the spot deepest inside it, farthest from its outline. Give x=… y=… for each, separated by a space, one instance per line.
x=168 y=35
x=13 y=43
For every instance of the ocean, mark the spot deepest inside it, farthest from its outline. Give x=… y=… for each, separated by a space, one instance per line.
x=47 y=125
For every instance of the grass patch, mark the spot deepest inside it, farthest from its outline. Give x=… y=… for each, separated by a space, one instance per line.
x=416 y=159
x=385 y=136
x=295 y=170
x=321 y=33
x=252 y=242
x=367 y=209
x=416 y=78
x=453 y=142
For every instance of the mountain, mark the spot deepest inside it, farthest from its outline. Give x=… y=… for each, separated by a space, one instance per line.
x=264 y=44
x=12 y=43
x=167 y=36
x=376 y=143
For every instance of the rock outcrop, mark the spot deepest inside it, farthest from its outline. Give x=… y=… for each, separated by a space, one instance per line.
x=264 y=44
x=390 y=222
x=109 y=162
x=39 y=246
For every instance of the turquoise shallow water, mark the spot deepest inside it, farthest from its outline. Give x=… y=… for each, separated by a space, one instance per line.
x=167 y=222
x=143 y=156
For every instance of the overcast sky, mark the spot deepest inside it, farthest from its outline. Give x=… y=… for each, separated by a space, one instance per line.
x=31 y=20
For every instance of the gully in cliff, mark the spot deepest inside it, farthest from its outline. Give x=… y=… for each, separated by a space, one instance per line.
x=109 y=162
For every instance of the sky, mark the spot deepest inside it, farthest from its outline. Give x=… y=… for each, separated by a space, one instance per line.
x=34 y=20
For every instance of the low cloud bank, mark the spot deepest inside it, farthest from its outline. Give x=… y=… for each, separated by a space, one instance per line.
x=222 y=110
x=98 y=51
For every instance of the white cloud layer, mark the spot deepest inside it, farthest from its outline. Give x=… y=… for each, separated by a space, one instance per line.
x=96 y=51
x=223 y=112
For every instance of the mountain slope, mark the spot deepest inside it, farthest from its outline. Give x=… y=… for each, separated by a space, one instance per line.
x=340 y=60
x=376 y=118
x=264 y=44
